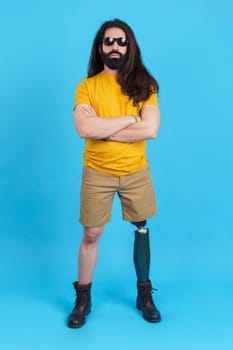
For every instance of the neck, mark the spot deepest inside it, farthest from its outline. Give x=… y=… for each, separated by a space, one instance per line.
x=110 y=71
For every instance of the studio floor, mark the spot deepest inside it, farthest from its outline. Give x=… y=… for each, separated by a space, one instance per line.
x=194 y=294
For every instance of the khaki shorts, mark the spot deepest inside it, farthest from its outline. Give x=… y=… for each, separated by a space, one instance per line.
x=135 y=191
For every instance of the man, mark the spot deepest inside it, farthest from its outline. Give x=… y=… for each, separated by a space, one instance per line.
x=116 y=110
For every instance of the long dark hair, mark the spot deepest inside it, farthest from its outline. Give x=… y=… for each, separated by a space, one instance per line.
x=135 y=80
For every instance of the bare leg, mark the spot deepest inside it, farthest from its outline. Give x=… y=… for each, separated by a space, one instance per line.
x=88 y=253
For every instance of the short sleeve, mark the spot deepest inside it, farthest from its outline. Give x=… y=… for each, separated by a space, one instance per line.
x=81 y=93
x=152 y=100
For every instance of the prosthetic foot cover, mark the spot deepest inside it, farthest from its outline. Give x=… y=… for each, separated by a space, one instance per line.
x=142 y=254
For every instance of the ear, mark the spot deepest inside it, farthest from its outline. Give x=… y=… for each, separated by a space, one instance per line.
x=100 y=49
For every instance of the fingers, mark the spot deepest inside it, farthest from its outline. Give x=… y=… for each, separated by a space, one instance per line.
x=87 y=109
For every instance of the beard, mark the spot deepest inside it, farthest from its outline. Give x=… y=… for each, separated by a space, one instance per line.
x=115 y=62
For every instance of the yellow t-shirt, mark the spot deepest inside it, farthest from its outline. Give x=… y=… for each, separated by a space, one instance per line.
x=103 y=93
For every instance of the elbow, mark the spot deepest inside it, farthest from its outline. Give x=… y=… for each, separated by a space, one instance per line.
x=82 y=129
x=151 y=130
x=153 y=134
x=154 y=131
x=83 y=132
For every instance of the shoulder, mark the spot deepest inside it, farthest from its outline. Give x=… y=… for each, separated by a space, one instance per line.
x=89 y=81
x=82 y=84
x=152 y=100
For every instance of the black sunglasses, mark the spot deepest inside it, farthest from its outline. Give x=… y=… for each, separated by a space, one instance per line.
x=110 y=41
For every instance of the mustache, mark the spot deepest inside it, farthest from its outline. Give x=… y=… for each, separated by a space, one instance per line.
x=114 y=51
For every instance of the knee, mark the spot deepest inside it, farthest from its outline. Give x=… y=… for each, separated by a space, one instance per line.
x=92 y=234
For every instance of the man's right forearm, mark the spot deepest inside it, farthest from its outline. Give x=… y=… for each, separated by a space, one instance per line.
x=94 y=127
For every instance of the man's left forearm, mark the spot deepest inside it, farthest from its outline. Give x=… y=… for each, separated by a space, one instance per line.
x=133 y=133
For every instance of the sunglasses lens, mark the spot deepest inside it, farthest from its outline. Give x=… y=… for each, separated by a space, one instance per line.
x=110 y=41
x=122 y=41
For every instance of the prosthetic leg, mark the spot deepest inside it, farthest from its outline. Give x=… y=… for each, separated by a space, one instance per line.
x=144 y=300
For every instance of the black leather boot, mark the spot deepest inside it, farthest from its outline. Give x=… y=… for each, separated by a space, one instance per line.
x=82 y=307
x=145 y=302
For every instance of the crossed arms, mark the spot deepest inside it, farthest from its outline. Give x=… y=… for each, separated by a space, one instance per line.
x=122 y=129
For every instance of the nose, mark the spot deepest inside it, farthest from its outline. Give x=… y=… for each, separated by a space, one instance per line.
x=115 y=46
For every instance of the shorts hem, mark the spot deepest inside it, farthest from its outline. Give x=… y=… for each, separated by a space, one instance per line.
x=140 y=218
x=95 y=225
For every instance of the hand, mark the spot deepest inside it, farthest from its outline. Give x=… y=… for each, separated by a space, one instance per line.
x=88 y=110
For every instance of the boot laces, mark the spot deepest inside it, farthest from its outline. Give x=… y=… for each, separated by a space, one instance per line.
x=82 y=297
x=147 y=294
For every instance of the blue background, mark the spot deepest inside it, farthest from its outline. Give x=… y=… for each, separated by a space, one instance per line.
x=45 y=47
